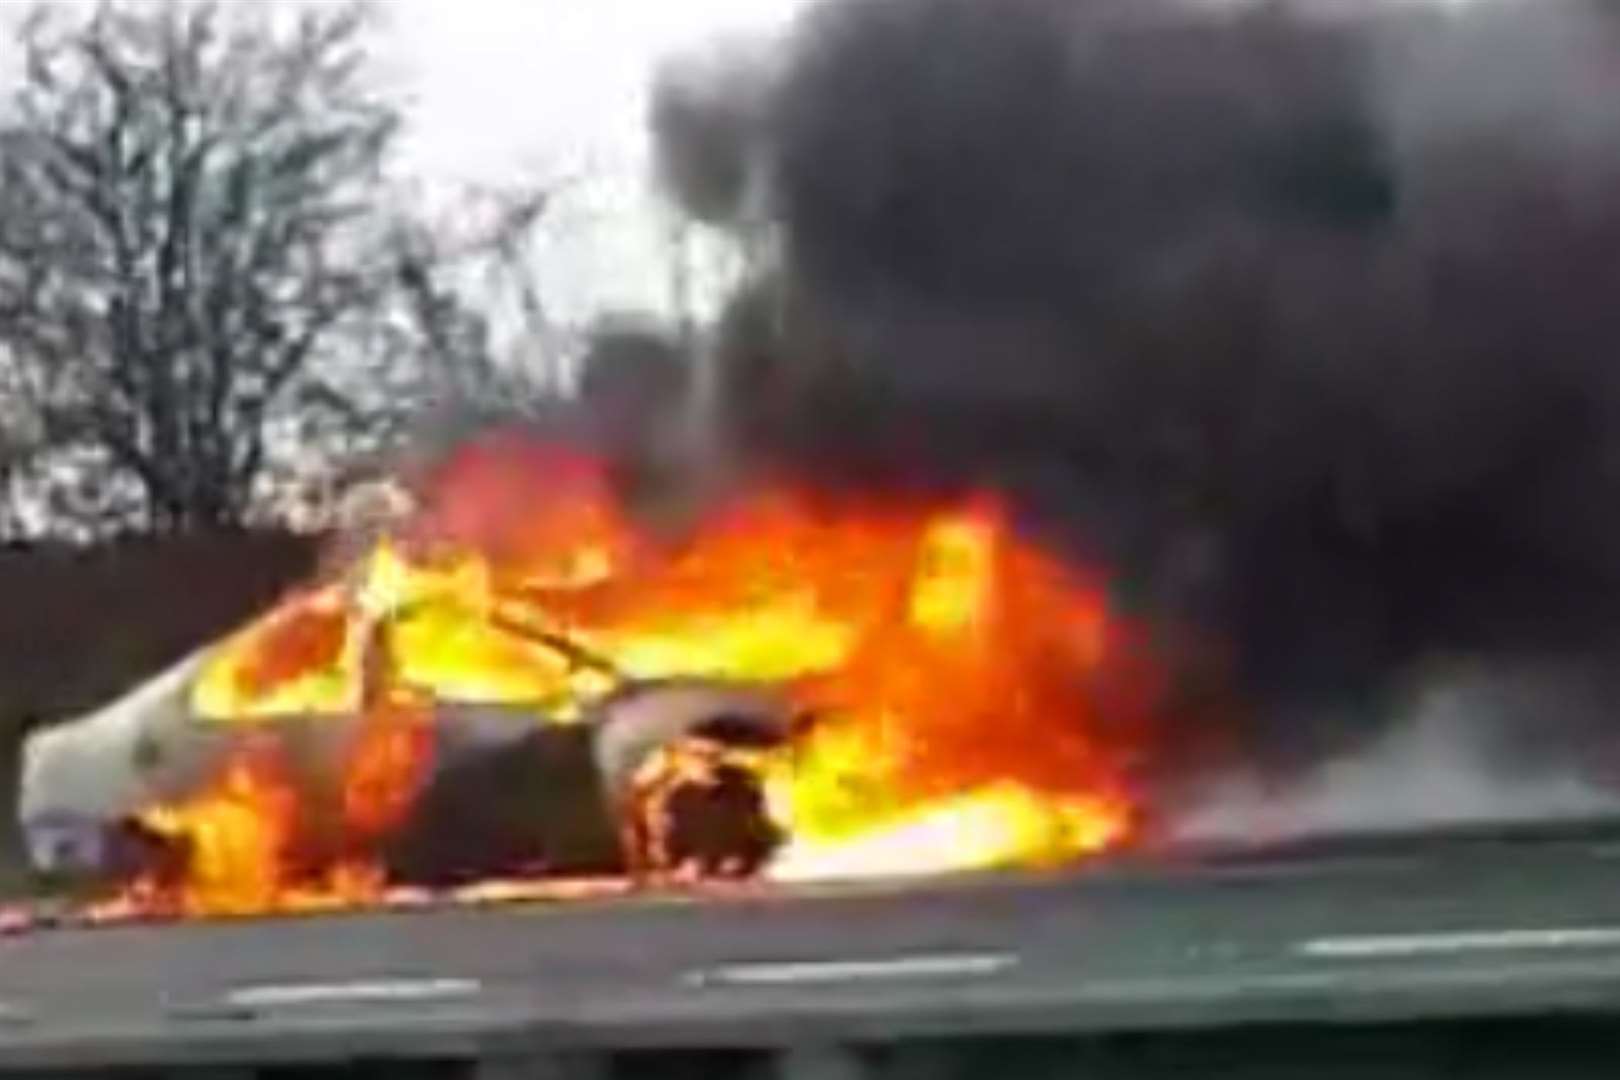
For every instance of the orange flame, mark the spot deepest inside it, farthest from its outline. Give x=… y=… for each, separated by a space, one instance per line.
x=234 y=837
x=386 y=765
x=975 y=703
x=242 y=840
x=970 y=729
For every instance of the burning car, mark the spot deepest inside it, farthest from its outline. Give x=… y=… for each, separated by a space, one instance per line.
x=522 y=682
x=93 y=789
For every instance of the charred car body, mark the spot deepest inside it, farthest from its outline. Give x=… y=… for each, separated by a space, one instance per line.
x=506 y=792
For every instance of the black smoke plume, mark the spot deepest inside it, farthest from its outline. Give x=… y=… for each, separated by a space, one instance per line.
x=1304 y=318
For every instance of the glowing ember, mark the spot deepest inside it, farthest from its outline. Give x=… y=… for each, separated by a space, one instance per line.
x=972 y=702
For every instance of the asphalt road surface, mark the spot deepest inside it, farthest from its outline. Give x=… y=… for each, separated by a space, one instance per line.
x=1372 y=932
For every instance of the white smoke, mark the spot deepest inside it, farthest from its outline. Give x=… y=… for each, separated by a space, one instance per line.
x=1449 y=763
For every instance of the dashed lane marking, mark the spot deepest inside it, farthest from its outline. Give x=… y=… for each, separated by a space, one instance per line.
x=283 y=995
x=875 y=969
x=1373 y=946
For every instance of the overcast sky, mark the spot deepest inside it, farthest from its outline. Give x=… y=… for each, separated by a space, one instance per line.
x=505 y=90
x=500 y=81
x=516 y=88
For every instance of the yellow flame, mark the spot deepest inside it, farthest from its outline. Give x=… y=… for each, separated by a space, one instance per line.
x=454 y=653
x=223 y=690
x=951 y=590
x=779 y=638
x=995 y=826
x=439 y=634
x=233 y=837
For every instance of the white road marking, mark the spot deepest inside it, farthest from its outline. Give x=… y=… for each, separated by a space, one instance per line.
x=374 y=990
x=792 y=972
x=1437 y=944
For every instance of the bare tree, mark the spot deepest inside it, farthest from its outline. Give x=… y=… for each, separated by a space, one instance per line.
x=471 y=303
x=187 y=230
